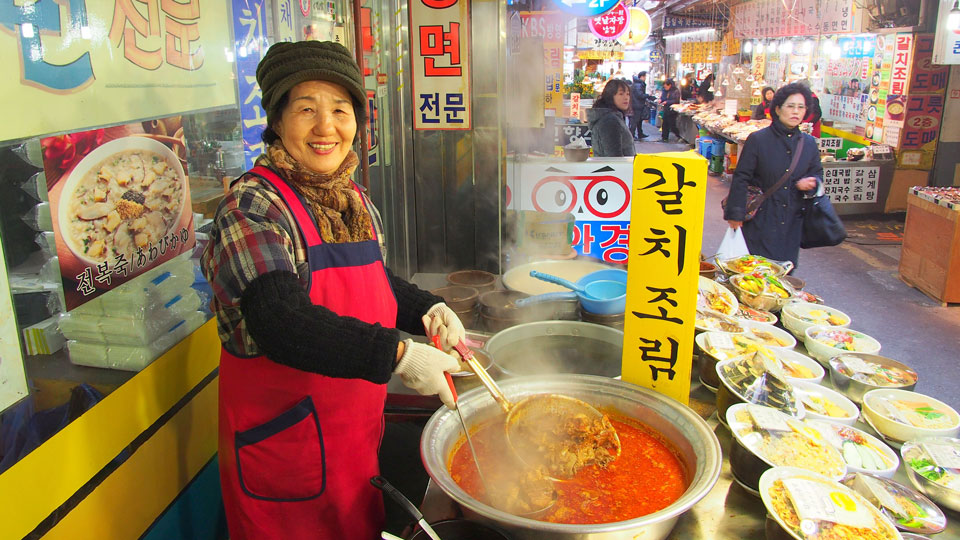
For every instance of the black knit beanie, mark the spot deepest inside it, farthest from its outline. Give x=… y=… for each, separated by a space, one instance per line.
x=287 y=64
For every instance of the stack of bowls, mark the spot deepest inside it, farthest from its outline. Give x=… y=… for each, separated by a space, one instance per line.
x=463 y=301
x=478 y=279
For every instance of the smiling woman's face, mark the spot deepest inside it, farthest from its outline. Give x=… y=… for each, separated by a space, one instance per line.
x=318 y=125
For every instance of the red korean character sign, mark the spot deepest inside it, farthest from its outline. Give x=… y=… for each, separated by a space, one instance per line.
x=440 y=60
x=611 y=24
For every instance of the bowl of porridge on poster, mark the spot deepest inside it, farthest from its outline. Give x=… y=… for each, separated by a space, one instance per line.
x=128 y=194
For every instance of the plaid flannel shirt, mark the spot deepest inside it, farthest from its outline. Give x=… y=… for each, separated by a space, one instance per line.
x=254 y=233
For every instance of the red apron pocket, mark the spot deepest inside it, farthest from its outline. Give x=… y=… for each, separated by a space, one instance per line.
x=282 y=460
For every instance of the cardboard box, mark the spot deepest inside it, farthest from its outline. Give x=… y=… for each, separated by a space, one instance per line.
x=903 y=180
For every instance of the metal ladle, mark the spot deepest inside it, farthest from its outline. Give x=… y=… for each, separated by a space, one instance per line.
x=535 y=412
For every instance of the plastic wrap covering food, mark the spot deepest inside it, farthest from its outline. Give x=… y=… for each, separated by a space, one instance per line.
x=780 y=439
x=127 y=330
x=905 y=507
x=132 y=358
x=144 y=295
x=38 y=217
x=760 y=379
x=811 y=506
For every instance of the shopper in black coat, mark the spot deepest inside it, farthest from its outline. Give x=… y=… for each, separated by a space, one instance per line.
x=608 y=125
x=775 y=230
x=638 y=101
x=669 y=96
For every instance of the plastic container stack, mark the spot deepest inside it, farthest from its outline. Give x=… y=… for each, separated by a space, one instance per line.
x=130 y=326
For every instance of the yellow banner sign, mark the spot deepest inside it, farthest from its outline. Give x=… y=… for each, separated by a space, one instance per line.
x=78 y=64
x=666 y=219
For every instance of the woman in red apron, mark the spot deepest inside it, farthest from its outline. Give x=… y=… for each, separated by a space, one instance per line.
x=308 y=314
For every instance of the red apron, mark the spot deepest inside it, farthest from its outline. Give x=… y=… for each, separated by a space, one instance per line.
x=297 y=449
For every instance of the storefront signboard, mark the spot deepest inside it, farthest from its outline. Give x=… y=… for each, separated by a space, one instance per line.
x=596 y=192
x=925 y=76
x=575 y=105
x=902 y=61
x=662 y=281
x=100 y=63
x=680 y=21
x=284 y=26
x=612 y=24
x=639 y=29
x=830 y=144
x=13 y=382
x=590 y=47
x=918 y=138
x=548 y=25
x=851 y=185
x=701 y=52
x=440 y=60
x=761 y=19
x=119 y=202
x=946 y=49
x=249 y=46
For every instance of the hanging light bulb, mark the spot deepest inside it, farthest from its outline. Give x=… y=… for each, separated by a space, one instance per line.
x=737 y=70
x=718 y=93
x=772 y=47
x=677 y=57
x=953 y=18
x=711 y=89
x=807 y=46
x=748 y=47
x=835 y=53
x=725 y=82
x=738 y=87
x=755 y=84
x=756 y=92
x=749 y=77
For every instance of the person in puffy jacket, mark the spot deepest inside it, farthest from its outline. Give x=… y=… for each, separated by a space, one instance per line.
x=607 y=119
x=669 y=96
x=638 y=102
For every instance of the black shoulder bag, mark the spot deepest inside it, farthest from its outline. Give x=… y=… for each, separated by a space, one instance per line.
x=755 y=196
x=821 y=225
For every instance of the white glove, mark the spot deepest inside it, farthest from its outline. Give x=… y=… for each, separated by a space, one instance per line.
x=421 y=368
x=441 y=321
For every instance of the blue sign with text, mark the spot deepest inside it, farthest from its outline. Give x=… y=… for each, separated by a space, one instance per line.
x=585 y=8
x=249 y=29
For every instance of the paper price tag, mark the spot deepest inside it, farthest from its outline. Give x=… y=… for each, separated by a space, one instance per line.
x=817 y=501
x=943 y=455
x=872 y=487
x=721 y=341
x=858 y=365
x=769 y=419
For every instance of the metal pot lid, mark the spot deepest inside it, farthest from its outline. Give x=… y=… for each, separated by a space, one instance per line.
x=908 y=509
x=760 y=379
x=779 y=440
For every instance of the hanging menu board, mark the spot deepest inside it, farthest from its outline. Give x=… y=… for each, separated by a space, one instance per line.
x=770 y=18
x=851 y=184
x=440 y=61
x=13 y=382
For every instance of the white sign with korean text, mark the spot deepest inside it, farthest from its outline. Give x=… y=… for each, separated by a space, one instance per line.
x=440 y=60
x=772 y=18
x=851 y=185
x=946 y=48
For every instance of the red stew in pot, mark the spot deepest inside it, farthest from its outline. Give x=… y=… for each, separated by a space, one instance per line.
x=647 y=477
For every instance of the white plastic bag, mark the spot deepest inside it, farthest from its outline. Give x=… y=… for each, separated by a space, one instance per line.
x=733 y=245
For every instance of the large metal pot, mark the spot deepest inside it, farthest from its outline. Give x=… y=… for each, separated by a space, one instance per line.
x=551 y=347
x=697 y=446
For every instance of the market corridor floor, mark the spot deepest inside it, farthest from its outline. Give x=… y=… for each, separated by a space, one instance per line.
x=859 y=277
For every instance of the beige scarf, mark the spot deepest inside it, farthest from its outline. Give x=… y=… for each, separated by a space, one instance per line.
x=339 y=209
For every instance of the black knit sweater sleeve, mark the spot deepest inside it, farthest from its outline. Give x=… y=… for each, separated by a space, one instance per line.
x=290 y=330
x=412 y=304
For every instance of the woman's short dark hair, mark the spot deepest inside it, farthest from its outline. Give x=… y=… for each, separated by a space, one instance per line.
x=670 y=82
x=763 y=93
x=784 y=93
x=606 y=97
x=269 y=135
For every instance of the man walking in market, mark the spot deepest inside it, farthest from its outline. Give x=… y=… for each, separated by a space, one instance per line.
x=669 y=96
x=638 y=101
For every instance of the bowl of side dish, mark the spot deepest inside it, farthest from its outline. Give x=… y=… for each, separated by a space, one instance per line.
x=932 y=466
x=822 y=403
x=902 y=415
x=855 y=374
x=798 y=316
x=825 y=342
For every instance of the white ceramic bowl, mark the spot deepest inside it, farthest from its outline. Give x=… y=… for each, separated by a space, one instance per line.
x=755 y=329
x=792 y=314
x=823 y=353
x=875 y=403
x=789 y=355
x=804 y=389
x=836 y=434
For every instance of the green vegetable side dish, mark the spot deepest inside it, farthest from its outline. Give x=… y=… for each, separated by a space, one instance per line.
x=927 y=469
x=928 y=412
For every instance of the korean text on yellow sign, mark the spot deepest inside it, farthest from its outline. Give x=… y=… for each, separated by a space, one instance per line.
x=666 y=225
x=440 y=61
x=73 y=65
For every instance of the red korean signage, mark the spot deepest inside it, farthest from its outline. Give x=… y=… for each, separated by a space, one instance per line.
x=902 y=60
x=440 y=61
x=611 y=24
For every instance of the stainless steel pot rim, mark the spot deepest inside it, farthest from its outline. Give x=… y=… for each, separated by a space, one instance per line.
x=704 y=477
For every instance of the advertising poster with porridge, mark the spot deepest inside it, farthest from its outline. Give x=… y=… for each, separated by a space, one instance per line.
x=120 y=203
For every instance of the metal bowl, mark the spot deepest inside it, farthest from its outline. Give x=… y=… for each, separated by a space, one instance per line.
x=766 y=301
x=854 y=388
x=940 y=494
x=696 y=445
x=551 y=347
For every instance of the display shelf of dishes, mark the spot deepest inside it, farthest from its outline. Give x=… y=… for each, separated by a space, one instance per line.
x=839 y=437
x=947 y=197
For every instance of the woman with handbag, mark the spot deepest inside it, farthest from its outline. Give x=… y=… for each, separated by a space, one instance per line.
x=779 y=168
